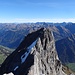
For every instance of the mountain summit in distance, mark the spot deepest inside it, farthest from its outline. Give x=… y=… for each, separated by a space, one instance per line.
x=36 y=55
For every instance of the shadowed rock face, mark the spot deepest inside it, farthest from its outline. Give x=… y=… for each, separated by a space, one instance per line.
x=66 y=49
x=36 y=55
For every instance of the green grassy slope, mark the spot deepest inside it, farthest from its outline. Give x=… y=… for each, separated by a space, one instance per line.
x=4 y=52
x=71 y=66
x=2 y=58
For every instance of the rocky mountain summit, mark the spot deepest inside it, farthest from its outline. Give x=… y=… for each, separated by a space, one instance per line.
x=36 y=55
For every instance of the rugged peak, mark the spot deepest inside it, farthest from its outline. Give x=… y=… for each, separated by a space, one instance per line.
x=36 y=55
x=31 y=37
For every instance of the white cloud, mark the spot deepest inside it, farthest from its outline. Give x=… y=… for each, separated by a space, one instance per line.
x=19 y=20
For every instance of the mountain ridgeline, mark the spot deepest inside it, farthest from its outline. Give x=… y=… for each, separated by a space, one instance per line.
x=36 y=55
x=66 y=49
x=12 y=34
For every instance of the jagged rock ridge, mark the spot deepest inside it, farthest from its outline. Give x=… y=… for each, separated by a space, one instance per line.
x=36 y=55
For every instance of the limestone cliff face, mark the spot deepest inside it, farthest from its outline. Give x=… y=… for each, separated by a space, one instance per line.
x=36 y=55
x=46 y=61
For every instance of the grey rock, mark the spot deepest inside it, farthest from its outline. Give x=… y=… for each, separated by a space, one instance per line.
x=46 y=61
x=36 y=55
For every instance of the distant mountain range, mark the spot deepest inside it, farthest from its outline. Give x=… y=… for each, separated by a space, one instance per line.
x=12 y=34
x=66 y=49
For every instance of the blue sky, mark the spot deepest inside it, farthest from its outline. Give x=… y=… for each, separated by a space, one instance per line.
x=37 y=10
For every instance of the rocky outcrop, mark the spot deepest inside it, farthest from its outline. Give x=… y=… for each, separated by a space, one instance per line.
x=36 y=55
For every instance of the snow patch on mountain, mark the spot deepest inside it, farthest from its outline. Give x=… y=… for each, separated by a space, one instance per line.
x=16 y=68
x=25 y=55
x=9 y=73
